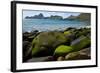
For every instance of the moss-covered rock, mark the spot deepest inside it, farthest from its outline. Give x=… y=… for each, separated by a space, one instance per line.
x=62 y=50
x=83 y=31
x=80 y=43
x=70 y=35
x=67 y=32
x=46 y=42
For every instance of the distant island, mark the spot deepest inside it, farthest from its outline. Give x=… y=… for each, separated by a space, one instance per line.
x=41 y=16
x=81 y=16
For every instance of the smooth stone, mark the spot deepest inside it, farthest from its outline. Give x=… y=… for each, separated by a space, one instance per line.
x=62 y=50
x=79 y=55
x=60 y=58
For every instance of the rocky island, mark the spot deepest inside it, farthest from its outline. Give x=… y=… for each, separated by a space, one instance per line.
x=81 y=16
x=41 y=16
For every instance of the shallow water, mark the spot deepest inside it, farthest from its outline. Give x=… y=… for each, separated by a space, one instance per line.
x=50 y=24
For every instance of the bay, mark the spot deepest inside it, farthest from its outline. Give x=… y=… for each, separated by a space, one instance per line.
x=51 y=24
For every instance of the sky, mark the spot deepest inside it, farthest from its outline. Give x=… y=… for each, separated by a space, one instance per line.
x=48 y=13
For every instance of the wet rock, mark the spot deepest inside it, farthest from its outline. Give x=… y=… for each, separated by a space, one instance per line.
x=26 y=35
x=41 y=59
x=34 y=32
x=82 y=31
x=71 y=56
x=70 y=28
x=27 y=48
x=29 y=36
x=86 y=51
x=60 y=58
x=79 y=55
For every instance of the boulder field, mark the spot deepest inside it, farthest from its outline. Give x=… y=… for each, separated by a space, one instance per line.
x=70 y=44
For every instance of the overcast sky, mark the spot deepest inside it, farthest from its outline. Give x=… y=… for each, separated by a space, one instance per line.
x=48 y=13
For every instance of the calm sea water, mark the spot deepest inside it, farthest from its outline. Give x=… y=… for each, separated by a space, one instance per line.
x=50 y=24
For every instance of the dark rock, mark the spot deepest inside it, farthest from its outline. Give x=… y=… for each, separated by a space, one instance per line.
x=27 y=48
x=29 y=36
x=82 y=31
x=33 y=32
x=26 y=35
x=41 y=59
x=70 y=28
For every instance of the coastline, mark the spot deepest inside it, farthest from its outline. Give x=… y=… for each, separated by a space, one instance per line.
x=32 y=41
x=54 y=29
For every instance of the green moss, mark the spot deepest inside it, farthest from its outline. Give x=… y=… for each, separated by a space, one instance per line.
x=81 y=44
x=62 y=50
x=34 y=51
x=60 y=37
x=48 y=40
x=67 y=32
x=83 y=31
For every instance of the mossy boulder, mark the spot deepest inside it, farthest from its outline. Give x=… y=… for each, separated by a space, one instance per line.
x=67 y=32
x=80 y=43
x=62 y=50
x=70 y=35
x=46 y=42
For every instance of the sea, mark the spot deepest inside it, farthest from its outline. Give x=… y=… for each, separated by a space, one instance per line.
x=29 y=25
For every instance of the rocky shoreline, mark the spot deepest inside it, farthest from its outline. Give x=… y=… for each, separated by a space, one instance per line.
x=69 y=44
